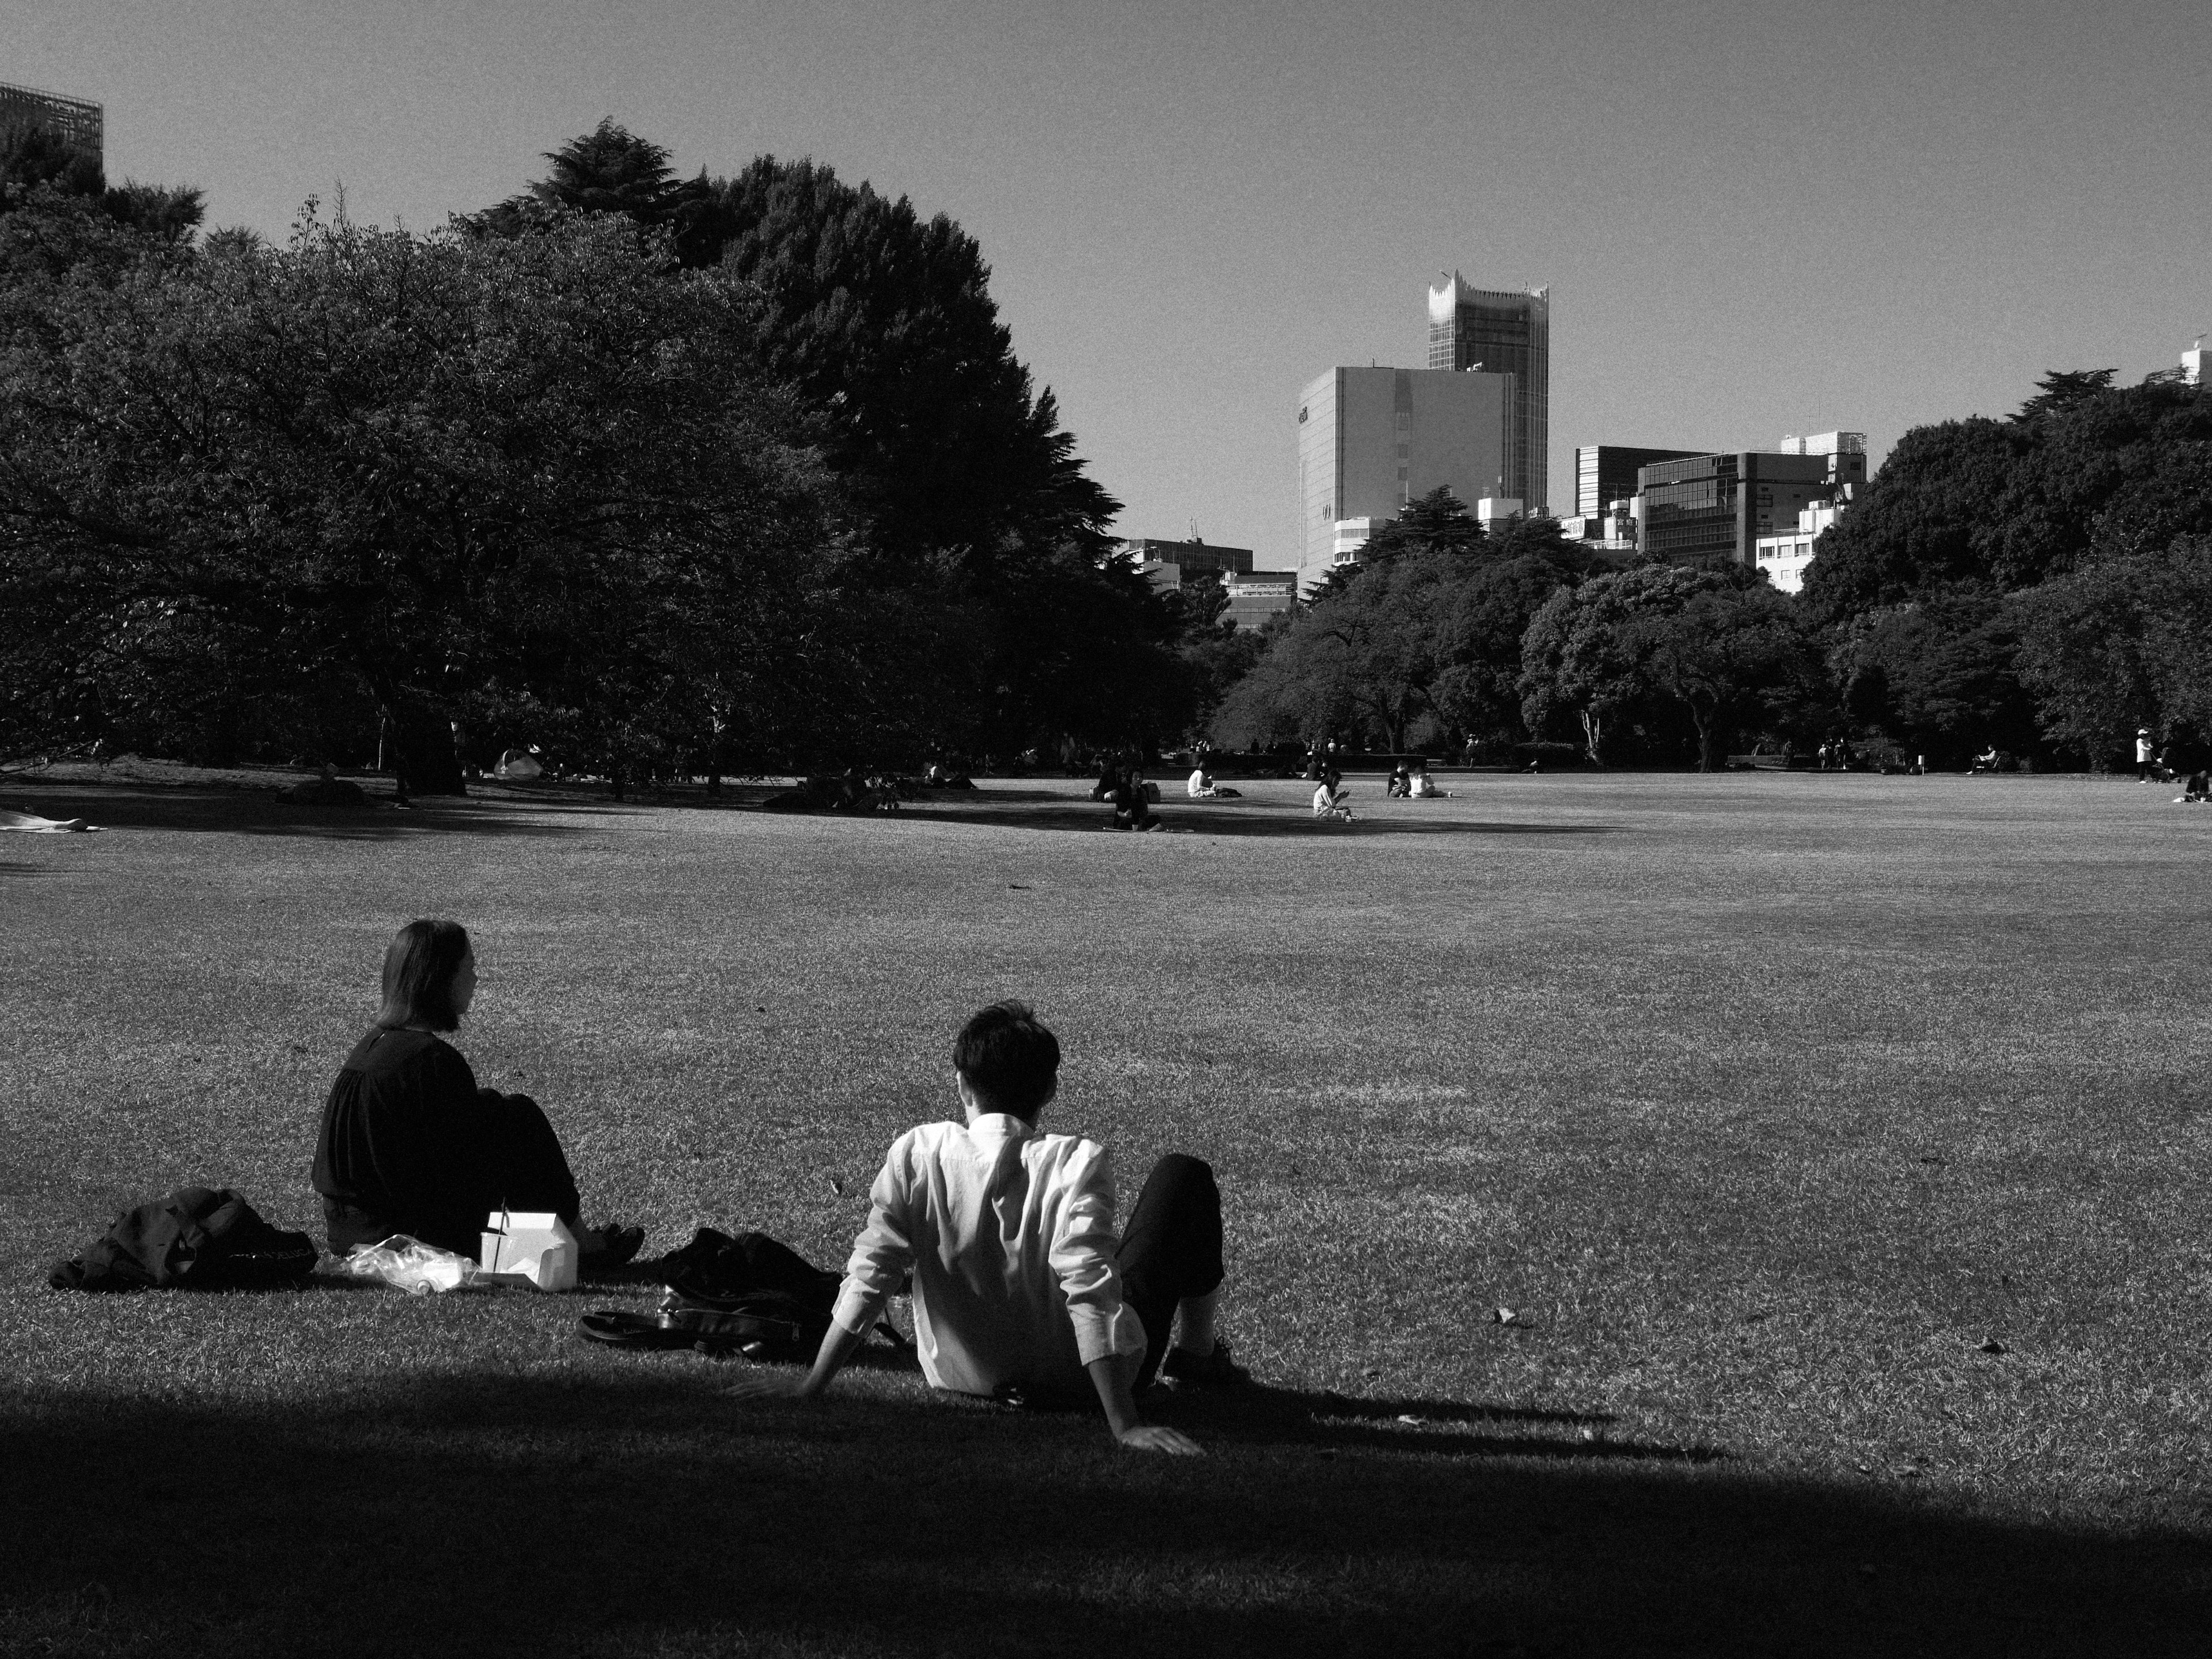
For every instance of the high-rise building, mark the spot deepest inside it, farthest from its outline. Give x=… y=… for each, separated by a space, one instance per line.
x=1712 y=509
x=1503 y=332
x=1373 y=440
x=74 y=119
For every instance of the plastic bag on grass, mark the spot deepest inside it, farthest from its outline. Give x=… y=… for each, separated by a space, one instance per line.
x=417 y=1268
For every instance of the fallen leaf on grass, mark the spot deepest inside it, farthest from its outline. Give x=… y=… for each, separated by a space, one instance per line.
x=1505 y=1316
x=1993 y=1346
x=837 y=1185
x=1020 y=886
x=1406 y=1417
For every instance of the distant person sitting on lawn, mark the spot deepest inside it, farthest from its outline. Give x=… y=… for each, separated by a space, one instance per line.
x=1110 y=779
x=1402 y=782
x=1201 y=786
x=1021 y=1291
x=1420 y=786
x=2198 y=786
x=1132 y=808
x=411 y=1145
x=1332 y=799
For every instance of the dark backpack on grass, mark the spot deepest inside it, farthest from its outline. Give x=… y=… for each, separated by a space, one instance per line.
x=198 y=1238
x=749 y=1293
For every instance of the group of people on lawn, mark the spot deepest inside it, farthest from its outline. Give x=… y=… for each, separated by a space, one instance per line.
x=1021 y=1287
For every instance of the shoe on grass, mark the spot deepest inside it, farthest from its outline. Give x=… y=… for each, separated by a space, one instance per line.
x=1208 y=1371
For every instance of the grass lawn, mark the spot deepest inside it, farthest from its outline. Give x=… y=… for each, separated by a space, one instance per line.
x=1766 y=1102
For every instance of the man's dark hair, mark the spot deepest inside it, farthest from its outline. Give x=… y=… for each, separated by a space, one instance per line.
x=419 y=971
x=1009 y=1058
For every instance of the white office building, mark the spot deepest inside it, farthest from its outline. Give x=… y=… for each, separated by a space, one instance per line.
x=1373 y=440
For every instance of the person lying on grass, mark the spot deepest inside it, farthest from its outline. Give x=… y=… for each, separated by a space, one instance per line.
x=1020 y=1290
x=411 y=1145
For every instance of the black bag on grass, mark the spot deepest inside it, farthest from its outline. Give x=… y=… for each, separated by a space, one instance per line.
x=198 y=1238
x=749 y=1295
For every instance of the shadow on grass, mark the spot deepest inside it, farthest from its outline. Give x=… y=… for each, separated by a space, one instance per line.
x=253 y=813
x=642 y=1509
x=1260 y=818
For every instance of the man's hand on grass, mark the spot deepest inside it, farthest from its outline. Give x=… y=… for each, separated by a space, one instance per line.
x=1158 y=1437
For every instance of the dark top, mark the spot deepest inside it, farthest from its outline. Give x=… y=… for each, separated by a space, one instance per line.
x=411 y=1145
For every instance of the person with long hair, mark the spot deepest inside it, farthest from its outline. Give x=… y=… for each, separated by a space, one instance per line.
x=410 y=1144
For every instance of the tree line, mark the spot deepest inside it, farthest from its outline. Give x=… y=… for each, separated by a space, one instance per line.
x=705 y=475
x=742 y=473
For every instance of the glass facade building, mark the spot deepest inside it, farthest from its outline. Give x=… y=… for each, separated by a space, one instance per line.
x=76 y=119
x=1606 y=473
x=1713 y=509
x=1503 y=332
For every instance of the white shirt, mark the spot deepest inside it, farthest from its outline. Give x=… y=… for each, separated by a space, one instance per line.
x=1323 y=801
x=1009 y=1235
x=2143 y=750
x=1199 y=784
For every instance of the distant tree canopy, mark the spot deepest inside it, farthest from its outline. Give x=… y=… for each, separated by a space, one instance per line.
x=1420 y=640
x=2084 y=473
x=1975 y=589
x=656 y=473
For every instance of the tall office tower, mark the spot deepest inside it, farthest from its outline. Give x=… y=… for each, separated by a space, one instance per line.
x=1372 y=440
x=74 y=119
x=1503 y=332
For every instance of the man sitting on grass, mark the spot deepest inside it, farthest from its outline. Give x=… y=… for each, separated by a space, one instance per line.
x=1020 y=1290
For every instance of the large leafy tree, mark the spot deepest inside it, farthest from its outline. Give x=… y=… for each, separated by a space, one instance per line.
x=883 y=323
x=1423 y=641
x=1588 y=656
x=462 y=474
x=1734 y=657
x=2125 y=644
x=2085 y=471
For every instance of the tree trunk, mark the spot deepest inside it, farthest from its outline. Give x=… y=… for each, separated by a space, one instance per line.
x=1593 y=730
x=1704 y=721
x=423 y=759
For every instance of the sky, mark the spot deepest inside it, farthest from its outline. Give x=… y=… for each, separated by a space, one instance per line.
x=1754 y=219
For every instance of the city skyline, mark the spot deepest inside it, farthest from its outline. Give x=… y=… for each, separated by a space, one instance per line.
x=1757 y=219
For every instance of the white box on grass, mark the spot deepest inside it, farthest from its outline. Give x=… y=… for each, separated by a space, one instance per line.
x=533 y=1246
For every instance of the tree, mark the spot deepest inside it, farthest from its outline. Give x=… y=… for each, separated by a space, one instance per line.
x=1363 y=660
x=1949 y=679
x=532 y=473
x=1481 y=622
x=1587 y=653
x=37 y=164
x=883 y=325
x=1437 y=522
x=2060 y=391
x=1728 y=655
x=2120 y=645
